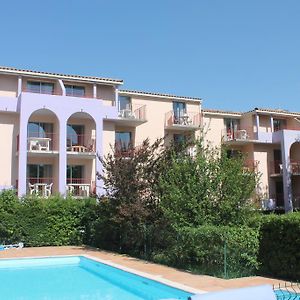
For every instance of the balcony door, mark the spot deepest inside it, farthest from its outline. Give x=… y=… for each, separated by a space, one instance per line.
x=75 y=174
x=124 y=103
x=179 y=110
x=39 y=173
x=75 y=135
x=41 y=130
x=123 y=140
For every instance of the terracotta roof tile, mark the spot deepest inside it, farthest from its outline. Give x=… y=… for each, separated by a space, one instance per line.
x=66 y=76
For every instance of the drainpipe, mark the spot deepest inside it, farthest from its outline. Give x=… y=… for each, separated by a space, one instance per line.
x=62 y=86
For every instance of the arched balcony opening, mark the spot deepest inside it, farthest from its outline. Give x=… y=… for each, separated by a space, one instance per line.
x=42 y=153
x=81 y=155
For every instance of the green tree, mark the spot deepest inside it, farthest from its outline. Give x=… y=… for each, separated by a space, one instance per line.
x=208 y=188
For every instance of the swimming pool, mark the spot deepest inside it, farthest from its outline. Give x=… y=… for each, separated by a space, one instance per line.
x=77 y=277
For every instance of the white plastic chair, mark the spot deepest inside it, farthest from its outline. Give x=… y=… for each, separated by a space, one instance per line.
x=48 y=190
x=32 y=188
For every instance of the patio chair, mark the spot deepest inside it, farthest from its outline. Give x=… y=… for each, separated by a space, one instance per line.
x=261 y=292
x=48 y=190
x=32 y=188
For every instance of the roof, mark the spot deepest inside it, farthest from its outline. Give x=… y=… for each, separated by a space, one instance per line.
x=159 y=95
x=10 y=70
x=274 y=111
x=221 y=112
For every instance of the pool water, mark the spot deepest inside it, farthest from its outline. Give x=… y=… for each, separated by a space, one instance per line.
x=77 y=278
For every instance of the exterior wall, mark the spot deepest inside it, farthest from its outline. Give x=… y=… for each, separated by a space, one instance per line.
x=8 y=86
x=265 y=123
x=9 y=129
x=107 y=94
x=155 y=115
x=108 y=137
x=213 y=127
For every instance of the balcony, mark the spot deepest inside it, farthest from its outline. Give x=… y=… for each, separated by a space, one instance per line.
x=251 y=165
x=81 y=144
x=132 y=116
x=79 y=187
x=241 y=136
x=46 y=144
x=185 y=121
x=276 y=168
x=40 y=187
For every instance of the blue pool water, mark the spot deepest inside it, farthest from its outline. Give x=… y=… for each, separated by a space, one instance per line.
x=76 y=278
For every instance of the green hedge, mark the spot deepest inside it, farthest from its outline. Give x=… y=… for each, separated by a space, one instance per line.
x=279 y=253
x=45 y=222
x=203 y=250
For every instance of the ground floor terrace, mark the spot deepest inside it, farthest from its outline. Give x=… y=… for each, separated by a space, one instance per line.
x=179 y=278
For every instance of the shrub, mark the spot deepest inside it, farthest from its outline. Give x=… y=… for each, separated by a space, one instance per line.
x=203 y=249
x=279 y=253
x=44 y=222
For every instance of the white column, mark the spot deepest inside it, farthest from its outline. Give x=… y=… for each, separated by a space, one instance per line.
x=62 y=164
x=19 y=85
x=22 y=163
x=99 y=151
x=272 y=124
x=95 y=91
x=62 y=86
x=117 y=97
x=257 y=121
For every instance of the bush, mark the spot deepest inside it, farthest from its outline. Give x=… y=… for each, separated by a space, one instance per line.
x=203 y=249
x=279 y=252
x=44 y=222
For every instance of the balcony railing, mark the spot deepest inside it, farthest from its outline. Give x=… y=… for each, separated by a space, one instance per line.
x=246 y=133
x=276 y=167
x=39 y=91
x=78 y=187
x=81 y=143
x=187 y=119
x=251 y=165
x=36 y=142
x=135 y=112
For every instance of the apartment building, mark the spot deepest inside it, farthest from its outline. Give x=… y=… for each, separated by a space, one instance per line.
x=270 y=139
x=53 y=126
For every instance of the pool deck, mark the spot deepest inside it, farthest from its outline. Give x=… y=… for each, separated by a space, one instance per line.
x=155 y=271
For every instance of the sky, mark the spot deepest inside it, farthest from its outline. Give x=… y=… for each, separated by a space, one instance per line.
x=234 y=54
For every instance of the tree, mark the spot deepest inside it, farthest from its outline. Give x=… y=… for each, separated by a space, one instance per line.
x=131 y=201
x=209 y=188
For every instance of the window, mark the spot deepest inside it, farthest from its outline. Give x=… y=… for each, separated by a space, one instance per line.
x=279 y=124
x=234 y=153
x=40 y=87
x=123 y=140
x=124 y=103
x=75 y=91
x=179 y=109
x=39 y=173
x=41 y=130
x=75 y=174
x=75 y=135
x=179 y=139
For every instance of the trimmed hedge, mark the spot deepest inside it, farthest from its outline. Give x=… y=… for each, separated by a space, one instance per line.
x=45 y=222
x=203 y=250
x=279 y=252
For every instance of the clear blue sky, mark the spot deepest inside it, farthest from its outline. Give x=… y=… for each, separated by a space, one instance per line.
x=235 y=54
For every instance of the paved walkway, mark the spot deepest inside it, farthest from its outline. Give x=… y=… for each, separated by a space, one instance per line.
x=151 y=270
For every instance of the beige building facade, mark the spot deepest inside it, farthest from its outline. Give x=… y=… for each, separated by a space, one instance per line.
x=53 y=126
